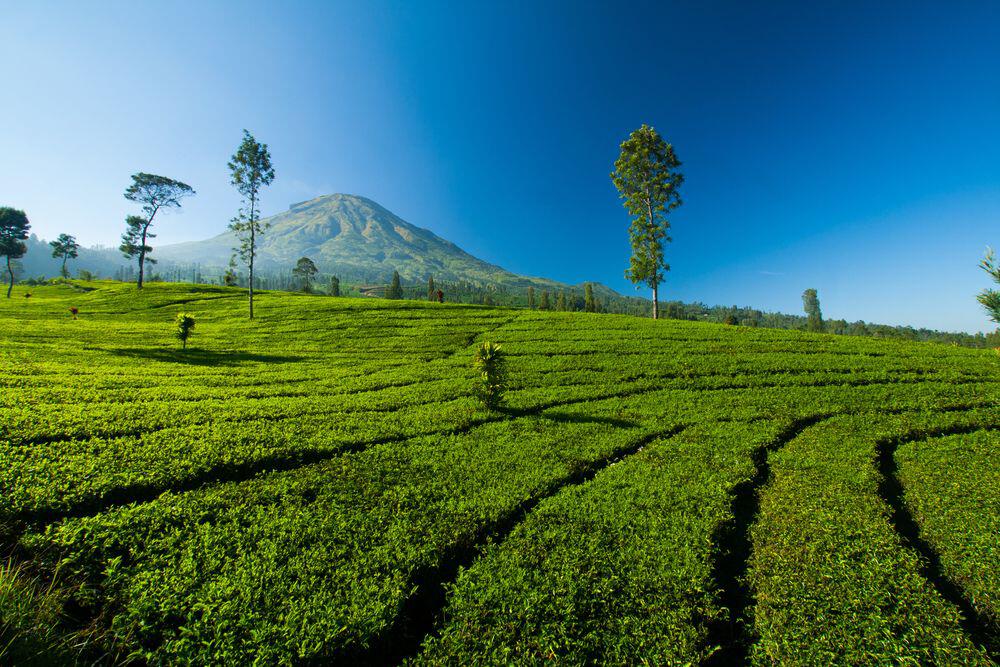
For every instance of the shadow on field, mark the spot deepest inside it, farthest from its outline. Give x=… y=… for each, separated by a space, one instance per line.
x=197 y=357
x=575 y=418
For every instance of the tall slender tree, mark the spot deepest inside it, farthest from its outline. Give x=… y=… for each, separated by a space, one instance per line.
x=154 y=193
x=810 y=303
x=334 y=286
x=544 y=304
x=990 y=299
x=648 y=179
x=431 y=290
x=531 y=297
x=588 y=299
x=14 y=228
x=251 y=170
x=561 y=300
x=66 y=247
x=395 y=290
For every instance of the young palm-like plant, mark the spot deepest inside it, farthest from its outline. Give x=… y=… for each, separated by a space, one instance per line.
x=185 y=323
x=491 y=363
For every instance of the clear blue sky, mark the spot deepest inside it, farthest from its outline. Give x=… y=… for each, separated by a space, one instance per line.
x=850 y=147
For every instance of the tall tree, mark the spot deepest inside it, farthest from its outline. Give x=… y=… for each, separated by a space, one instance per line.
x=66 y=247
x=988 y=297
x=531 y=297
x=154 y=193
x=431 y=290
x=395 y=290
x=588 y=299
x=14 y=228
x=648 y=180
x=810 y=303
x=544 y=303
x=305 y=270
x=561 y=300
x=334 y=286
x=251 y=170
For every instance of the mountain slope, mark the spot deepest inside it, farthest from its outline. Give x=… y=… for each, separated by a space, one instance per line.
x=357 y=239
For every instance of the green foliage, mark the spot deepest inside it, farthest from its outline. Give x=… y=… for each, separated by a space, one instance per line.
x=65 y=247
x=544 y=303
x=14 y=228
x=589 y=304
x=531 y=297
x=490 y=363
x=395 y=289
x=990 y=299
x=648 y=180
x=250 y=171
x=431 y=290
x=305 y=270
x=334 y=289
x=185 y=325
x=232 y=504
x=814 y=316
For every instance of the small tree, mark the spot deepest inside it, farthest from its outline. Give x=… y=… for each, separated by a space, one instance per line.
x=251 y=171
x=431 y=291
x=589 y=304
x=395 y=290
x=531 y=297
x=647 y=177
x=14 y=228
x=544 y=303
x=185 y=324
x=66 y=247
x=491 y=363
x=154 y=193
x=990 y=299
x=810 y=303
x=305 y=270
x=334 y=286
x=134 y=242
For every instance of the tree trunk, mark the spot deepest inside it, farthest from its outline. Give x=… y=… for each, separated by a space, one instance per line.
x=656 y=301
x=62 y=272
x=10 y=271
x=142 y=256
x=253 y=248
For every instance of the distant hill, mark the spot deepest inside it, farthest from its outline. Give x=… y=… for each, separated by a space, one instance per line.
x=358 y=240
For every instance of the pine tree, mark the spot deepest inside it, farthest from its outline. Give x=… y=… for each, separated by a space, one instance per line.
x=990 y=299
x=588 y=299
x=561 y=301
x=431 y=291
x=544 y=304
x=395 y=290
x=334 y=286
x=531 y=297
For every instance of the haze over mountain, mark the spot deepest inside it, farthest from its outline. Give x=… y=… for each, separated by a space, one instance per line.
x=357 y=239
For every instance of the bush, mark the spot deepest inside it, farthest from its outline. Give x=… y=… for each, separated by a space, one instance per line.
x=185 y=323
x=491 y=363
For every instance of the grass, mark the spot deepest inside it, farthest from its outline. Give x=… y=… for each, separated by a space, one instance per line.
x=323 y=484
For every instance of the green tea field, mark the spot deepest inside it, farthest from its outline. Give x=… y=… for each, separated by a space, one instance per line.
x=322 y=486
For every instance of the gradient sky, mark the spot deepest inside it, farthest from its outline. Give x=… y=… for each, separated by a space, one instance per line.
x=850 y=147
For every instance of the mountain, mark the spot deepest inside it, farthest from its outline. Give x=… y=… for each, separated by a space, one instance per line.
x=359 y=240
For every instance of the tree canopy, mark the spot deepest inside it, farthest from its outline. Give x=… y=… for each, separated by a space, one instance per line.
x=66 y=247
x=990 y=299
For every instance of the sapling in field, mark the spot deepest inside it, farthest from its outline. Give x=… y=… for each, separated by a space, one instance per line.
x=491 y=363
x=185 y=324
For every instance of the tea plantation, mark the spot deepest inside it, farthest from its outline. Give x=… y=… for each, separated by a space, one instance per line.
x=322 y=486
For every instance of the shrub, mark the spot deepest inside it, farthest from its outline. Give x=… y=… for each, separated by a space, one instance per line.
x=185 y=323
x=490 y=361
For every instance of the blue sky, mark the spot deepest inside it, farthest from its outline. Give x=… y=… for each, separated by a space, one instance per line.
x=850 y=147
